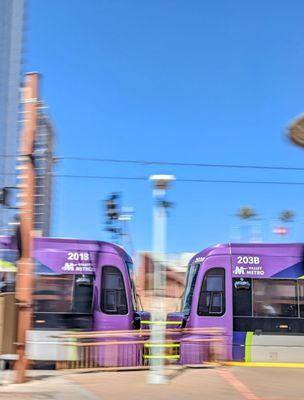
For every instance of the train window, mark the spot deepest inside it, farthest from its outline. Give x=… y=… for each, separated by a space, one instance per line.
x=242 y=297
x=113 y=293
x=83 y=293
x=275 y=298
x=301 y=297
x=188 y=293
x=212 y=295
x=130 y=268
x=53 y=293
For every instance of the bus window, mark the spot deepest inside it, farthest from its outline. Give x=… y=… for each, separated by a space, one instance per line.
x=212 y=295
x=113 y=293
x=188 y=293
x=275 y=298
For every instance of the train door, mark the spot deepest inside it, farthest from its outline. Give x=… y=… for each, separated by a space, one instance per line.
x=212 y=300
x=113 y=305
x=114 y=310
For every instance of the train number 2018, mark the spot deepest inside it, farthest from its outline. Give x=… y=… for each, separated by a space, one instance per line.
x=75 y=256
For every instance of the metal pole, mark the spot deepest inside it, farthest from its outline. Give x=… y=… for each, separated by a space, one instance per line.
x=157 y=370
x=24 y=278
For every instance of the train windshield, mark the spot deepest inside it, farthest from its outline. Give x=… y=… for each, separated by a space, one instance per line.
x=130 y=267
x=188 y=293
x=63 y=293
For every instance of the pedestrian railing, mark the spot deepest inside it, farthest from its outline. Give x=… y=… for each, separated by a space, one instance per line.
x=134 y=348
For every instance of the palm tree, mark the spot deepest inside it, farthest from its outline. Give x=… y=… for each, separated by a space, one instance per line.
x=287 y=216
x=248 y=214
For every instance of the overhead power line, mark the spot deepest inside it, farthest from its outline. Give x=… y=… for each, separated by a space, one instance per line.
x=142 y=178
x=182 y=164
x=125 y=178
x=172 y=163
x=194 y=180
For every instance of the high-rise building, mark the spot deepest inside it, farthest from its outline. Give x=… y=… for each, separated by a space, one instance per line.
x=37 y=118
x=44 y=168
x=11 y=30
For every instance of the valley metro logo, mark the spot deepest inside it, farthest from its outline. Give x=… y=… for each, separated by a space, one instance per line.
x=239 y=270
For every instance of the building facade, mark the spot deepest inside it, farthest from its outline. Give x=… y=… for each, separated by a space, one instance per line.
x=175 y=271
x=44 y=173
x=11 y=30
x=42 y=153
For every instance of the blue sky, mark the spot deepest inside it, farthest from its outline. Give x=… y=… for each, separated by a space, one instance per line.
x=195 y=81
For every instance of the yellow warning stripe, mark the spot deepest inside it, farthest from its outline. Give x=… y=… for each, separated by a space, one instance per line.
x=161 y=322
x=173 y=357
x=263 y=364
x=162 y=345
x=248 y=344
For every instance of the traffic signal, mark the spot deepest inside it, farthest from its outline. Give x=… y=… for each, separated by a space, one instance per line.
x=166 y=204
x=112 y=207
x=17 y=239
x=5 y=194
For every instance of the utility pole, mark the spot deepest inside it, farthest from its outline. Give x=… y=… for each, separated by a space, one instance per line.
x=24 y=279
x=161 y=183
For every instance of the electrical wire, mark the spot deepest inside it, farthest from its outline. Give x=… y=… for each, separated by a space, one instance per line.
x=171 y=163
x=142 y=178
x=182 y=164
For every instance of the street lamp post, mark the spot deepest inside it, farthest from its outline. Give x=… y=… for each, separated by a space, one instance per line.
x=160 y=185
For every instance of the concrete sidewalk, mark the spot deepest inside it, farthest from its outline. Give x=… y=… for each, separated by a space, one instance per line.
x=220 y=383
x=183 y=384
x=43 y=385
x=192 y=384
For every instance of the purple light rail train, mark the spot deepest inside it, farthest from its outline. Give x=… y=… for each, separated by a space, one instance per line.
x=255 y=293
x=81 y=285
